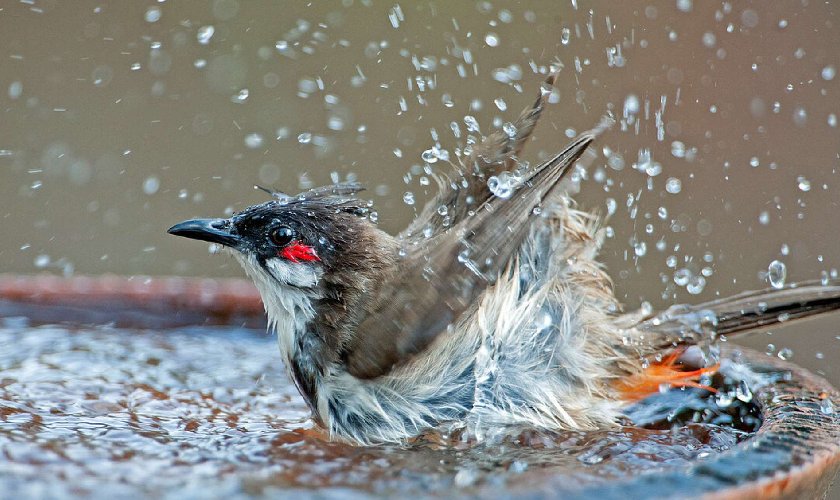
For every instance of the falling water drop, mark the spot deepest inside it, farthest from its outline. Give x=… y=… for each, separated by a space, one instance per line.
x=565 y=35
x=205 y=33
x=776 y=274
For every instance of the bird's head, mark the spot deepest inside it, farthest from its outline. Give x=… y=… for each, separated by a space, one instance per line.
x=302 y=241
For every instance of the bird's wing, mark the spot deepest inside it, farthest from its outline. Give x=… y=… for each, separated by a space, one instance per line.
x=743 y=313
x=468 y=190
x=438 y=281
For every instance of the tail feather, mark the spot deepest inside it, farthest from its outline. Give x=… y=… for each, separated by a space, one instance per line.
x=747 y=312
x=684 y=325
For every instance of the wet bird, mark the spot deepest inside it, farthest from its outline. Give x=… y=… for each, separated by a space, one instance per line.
x=488 y=312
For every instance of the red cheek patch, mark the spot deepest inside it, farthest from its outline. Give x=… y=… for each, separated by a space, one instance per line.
x=297 y=252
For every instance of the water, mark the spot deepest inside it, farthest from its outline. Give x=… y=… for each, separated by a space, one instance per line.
x=209 y=412
x=776 y=274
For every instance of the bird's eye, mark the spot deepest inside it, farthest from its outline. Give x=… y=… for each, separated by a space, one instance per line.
x=282 y=236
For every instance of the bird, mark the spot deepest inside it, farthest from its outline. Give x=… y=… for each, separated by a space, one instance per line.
x=489 y=312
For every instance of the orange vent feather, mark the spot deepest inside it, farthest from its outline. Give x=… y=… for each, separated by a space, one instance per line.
x=669 y=372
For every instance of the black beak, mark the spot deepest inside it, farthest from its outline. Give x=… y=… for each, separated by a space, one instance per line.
x=212 y=230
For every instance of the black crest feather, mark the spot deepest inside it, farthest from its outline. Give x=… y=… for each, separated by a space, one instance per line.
x=340 y=196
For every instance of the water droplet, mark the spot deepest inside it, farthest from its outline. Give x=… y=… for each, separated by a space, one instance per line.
x=152 y=15
x=240 y=97
x=471 y=123
x=709 y=39
x=395 y=16
x=565 y=36
x=646 y=163
x=42 y=261
x=151 y=185
x=803 y=184
x=102 y=75
x=785 y=353
x=442 y=210
x=724 y=399
x=509 y=129
x=776 y=274
x=456 y=129
x=304 y=138
x=673 y=185
x=429 y=156
x=307 y=86
x=828 y=73
x=764 y=218
x=408 y=198
x=749 y=18
x=335 y=122
x=684 y=5
x=15 y=89
x=611 y=206
x=743 y=392
x=253 y=141
x=800 y=116
x=631 y=105
x=503 y=185
x=491 y=39
x=640 y=249
x=614 y=159
x=695 y=284
x=204 y=34
x=682 y=276
x=827 y=406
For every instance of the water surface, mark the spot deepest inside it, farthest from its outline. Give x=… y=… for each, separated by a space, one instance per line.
x=102 y=411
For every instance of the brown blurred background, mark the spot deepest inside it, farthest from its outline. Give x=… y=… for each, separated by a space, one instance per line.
x=122 y=118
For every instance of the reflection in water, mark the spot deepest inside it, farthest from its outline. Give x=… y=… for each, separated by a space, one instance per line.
x=107 y=411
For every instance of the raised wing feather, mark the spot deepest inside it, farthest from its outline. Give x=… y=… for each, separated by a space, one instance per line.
x=468 y=189
x=438 y=282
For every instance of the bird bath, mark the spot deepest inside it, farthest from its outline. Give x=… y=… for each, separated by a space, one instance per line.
x=156 y=387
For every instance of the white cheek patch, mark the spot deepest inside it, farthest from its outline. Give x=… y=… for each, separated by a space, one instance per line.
x=296 y=274
x=279 y=272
